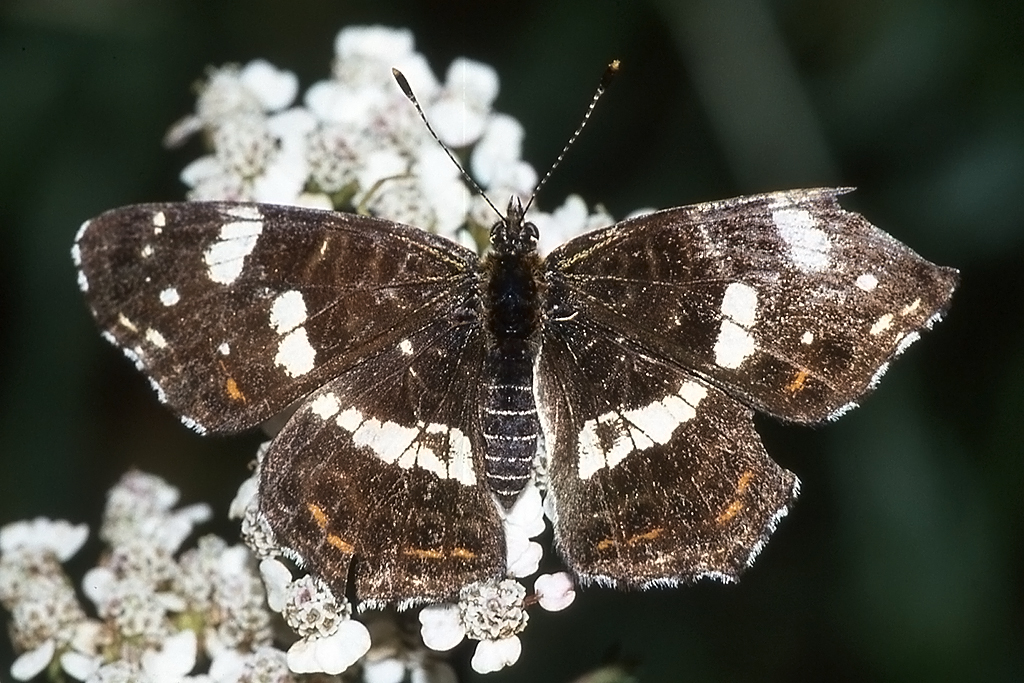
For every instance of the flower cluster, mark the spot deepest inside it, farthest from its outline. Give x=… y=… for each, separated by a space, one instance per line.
x=355 y=142
x=156 y=610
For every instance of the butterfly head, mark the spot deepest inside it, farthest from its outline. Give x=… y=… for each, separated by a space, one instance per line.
x=513 y=234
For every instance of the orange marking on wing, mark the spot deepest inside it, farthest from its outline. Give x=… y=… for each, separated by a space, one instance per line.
x=234 y=393
x=424 y=553
x=798 y=381
x=632 y=540
x=736 y=505
x=320 y=517
x=231 y=386
x=463 y=553
x=730 y=512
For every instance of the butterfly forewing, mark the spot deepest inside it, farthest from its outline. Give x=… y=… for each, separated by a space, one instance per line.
x=784 y=300
x=656 y=477
x=235 y=310
x=383 y=468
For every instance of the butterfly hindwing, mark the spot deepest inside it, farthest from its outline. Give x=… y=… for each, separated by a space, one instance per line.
x=656 y=477
x=383 y=468
x=784 y=300
x=233 y=310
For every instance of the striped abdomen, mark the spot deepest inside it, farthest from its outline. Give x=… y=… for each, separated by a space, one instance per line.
x=509 y=419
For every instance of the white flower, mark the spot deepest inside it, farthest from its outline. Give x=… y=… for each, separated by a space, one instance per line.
x=330 y=654
x=61 y=538
x=441 y=626
x=555 y=592
x=494 y=655
x=29 y=664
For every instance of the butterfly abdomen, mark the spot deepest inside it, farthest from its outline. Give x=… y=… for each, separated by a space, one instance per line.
x=508 y=412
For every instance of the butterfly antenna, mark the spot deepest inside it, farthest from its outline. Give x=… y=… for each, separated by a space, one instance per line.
x=606 y=79
x=403 y=83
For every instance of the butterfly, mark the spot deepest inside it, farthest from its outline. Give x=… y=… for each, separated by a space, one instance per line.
x=425 y=379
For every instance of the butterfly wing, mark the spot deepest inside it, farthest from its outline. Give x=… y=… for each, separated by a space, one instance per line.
x=656 y=477
x=784 y=300
x=662 y=334
x=233 y=311
x=383 y=468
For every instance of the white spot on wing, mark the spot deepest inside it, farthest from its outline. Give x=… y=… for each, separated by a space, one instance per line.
x=325 y=406
x=147 y=251
x=740 y=303
x=159 y=219
x=226 y=257
x=248 y=213
x=224 y=349
x=911 y=307
x=156 y=339
x=406 y=347
x=881 y=325
x=123 y=320
x=287 y=312
x=739 y=311
x=169 y=296
x=807 y=338
x=867 y=282
x=83 y=282
x=808 y=245
x=295 y=354
x=635 y=430
x=76 y=254
x=408 y=447
x=733 y=346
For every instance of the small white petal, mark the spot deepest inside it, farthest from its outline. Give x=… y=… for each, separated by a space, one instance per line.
x=176 y=657
x=227 y=666
x=282 y=180
x=302 y=657
x=388 y=670
x=292 y=127
x=61 y=538
x=494 y=655
x=474 y=81
x=30 y=664
x=78 y=665
x=526 y=561
x=276 y=579
x=97 y=585
x=333 y=654
x=246 y=494
x=555 y=591
x=274 y=88
x=528 y=512
x=499 y=149
x=378 y=42
x=441 y=627
x=381 y=164
x=314 y=200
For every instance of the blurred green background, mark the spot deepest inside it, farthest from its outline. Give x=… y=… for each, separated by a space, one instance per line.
x=903 y=558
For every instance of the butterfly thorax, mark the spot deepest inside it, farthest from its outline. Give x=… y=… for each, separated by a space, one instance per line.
x=512 y=285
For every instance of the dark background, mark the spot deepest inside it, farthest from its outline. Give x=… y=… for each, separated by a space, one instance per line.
x=903 y=558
